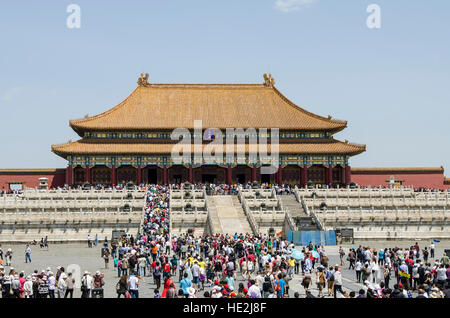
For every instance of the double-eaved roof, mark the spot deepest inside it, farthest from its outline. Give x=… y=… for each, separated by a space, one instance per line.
x=161 y=107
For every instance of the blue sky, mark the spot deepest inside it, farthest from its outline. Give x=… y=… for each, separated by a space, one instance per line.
x=390 y=84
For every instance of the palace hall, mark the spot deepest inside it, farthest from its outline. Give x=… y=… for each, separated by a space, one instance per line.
x=132 y=142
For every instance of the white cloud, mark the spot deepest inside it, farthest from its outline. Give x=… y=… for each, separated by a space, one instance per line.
x=292 y=5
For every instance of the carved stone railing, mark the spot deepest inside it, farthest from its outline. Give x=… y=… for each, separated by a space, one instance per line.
x=248 y=212
x=289 y=221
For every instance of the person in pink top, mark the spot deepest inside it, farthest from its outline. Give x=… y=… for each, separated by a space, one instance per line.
x=22 y=282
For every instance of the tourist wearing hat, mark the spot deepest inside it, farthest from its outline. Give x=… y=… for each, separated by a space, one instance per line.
x=7 y=291
x=8 y=256
x=86 y=284
x=191 y=292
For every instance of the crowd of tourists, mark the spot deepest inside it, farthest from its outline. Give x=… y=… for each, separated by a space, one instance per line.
x=236 y=266
x=413 y=270
x=46 y=283
x=229 y=266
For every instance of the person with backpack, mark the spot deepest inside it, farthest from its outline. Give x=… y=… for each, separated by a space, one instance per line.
x=157 y=275
x=306 y=282
x=330 y=280
x=86 y=285
x=122 y=286
x=321 y=280
x=280 y=286
x=98 y=280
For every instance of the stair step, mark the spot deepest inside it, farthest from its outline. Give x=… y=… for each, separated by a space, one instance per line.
x=227 y=215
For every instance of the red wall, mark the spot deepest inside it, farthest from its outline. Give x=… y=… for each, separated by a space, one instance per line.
x=30 y=177
x=431 y=179
x=419 y=178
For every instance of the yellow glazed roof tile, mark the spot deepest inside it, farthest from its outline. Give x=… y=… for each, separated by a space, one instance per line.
x=169 y=106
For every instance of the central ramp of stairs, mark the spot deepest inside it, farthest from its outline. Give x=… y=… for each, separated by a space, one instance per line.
x=295 y=208
x=227 y=215
x=290 y=202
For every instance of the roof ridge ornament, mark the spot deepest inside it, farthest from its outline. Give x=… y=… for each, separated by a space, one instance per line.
x=269 y=81
x=143 y=80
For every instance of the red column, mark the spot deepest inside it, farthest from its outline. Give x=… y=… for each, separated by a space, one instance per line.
x=304 y=177
x=139 y=174
x=348 y=178
x=280 y=176
x=165 y=181
x=229 y=181
x=253 y=173
x=330 y=175
x=69 y=172
x=87 y=177
x=70 y=175
x=190 y=177
x=113 y=176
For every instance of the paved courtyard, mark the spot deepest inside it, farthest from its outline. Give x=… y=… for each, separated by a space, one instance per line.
x=81 y=258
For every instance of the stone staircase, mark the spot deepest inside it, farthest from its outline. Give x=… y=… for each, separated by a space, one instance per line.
x=226 y=215
x=305 y=222
x=290 y=203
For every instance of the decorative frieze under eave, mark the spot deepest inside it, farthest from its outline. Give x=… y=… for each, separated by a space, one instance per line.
x=163 y=160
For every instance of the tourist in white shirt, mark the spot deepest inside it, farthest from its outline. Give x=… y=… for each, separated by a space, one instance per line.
x=27 y=254
x=51 y=285
x=254 y=291
x=62 y=285
x=133 y=286
x=28 y=288
x=86 y=284
x=358 y=268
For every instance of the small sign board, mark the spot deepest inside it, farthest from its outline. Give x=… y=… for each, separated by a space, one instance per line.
x=347 y=233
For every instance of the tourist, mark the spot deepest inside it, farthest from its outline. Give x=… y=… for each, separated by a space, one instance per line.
x=337 y=280
x=185 y=283
x=42 y=286
x=62 y=285
x=168 y=283
x=28 y=287
x=133 y=285
x=106 y=258
x=321 y=281
x=432 y=247
x=8 y=256
x=86 y=285
x=122 y=286
x=70 y=283
x=51 y=284
x=98 y=281
x=27 y=254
